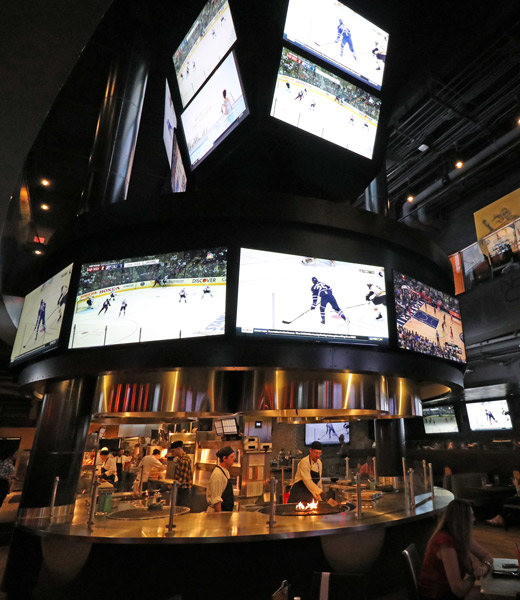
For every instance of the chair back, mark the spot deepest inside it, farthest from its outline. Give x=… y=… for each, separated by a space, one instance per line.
x=412 y=564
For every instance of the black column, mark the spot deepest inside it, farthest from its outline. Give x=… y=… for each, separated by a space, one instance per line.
x=113 y=150
x=390 y=440
x=376 y=195
x=59 y=444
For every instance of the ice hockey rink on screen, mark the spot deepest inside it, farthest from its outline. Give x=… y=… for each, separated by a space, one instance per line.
x=152 y=313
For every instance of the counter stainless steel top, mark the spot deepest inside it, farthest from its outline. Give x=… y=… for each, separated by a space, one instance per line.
x=242 y=526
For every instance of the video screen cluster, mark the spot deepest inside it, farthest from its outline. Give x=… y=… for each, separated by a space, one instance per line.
x=209 y=81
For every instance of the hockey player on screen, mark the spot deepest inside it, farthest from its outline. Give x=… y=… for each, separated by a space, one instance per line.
x=123 y=307
x=323 y=292
x=105 y=306
x=61 y=301
x=90 y=303
x=40 y=319
x=377 y=296
x=346 y=38
x=182 y=295
x=206 y=290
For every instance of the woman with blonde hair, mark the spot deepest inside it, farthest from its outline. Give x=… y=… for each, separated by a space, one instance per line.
x=453 y=560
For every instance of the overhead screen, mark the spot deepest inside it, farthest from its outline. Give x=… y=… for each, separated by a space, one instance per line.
x=204 y=46
x=178 y=174
x=292 y=296
x=428 y=321
x=215 y=111
x=159 y=297
x=42 y=316
x=327 y=433
x=489 y=416
x=315 y=100
x=440 y=419
x=336 y=34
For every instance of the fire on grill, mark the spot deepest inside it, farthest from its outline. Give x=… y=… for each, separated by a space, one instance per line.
x=307 y=507
x=310 y=509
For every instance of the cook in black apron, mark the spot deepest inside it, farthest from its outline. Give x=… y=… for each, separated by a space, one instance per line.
x=226 y=458
x=299 y=491
x=228 y=498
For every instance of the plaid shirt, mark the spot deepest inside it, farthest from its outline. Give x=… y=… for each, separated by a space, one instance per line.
x=183 y=471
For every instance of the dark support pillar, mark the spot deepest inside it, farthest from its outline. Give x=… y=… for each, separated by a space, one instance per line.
x=113 y=150
x=376 y=195
x=390 y=440
x=58 y=446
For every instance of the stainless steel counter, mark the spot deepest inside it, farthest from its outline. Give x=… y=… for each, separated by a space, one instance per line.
x=243 y=526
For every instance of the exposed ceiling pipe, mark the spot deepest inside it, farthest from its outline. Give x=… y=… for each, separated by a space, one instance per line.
x=493 y=151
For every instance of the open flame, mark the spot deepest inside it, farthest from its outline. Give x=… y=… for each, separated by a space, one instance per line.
x=309 y=506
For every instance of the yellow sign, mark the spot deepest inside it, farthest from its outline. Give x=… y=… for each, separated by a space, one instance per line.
x=497 y=214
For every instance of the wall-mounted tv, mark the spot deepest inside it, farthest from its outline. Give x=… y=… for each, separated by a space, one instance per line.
x=179 y=180
x=338 y=35
x=157 y=297
x=215 y=112
x=304 y=297
x=203 y=47
x=325 y=105
x=229 y=426
x=491 y=415
x=219 y=430
x=440 y=419
x=169 y=122
x=42 y=315
x=327 y=433
x=428 y=321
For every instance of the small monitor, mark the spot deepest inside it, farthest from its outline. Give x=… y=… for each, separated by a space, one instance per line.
x=333 y=32
x=203 y=47
x=323 y=104
x=149 y=298
x=492 y=415
x=440 y=419
x=219 y=430
x=428 y=320
x=310 y=298
x=327 y=433
x=215 y=112
x=42 y=317
x=229 y=426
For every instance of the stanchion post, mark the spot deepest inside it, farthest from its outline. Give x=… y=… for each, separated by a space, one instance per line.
x=272 y=502
x=412 y=493
x=173 y=505
x=93 y=500
x=430 y=469
x=359 y=505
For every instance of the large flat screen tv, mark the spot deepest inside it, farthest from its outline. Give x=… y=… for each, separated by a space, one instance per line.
x=42 y=316
x=203 y=47
x=428 y=321
x=325 y=105
x=490 y=415
x=215 y=112
x=158 y=297
x=303 y=297
x=327 y=433
x=440 y=419
x=339 y=36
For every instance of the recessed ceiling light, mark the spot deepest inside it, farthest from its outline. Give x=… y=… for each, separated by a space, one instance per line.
x=423 y=147
x=45 y=182
x=38 y=252
x=44 y=206
x=410 y=198
x=459 y=164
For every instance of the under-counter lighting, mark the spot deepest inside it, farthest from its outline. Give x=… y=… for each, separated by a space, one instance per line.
x=44 y=206
x=45 y=182
x=410 y=198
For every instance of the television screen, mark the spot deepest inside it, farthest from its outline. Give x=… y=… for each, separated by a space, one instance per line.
x=179 y=180
x=215 y=112
x=428 y=321
x=440 y=419
x=219 y=430
x=204 y=46
x=229 y=426
x=489 y=415
x=339 y=36
x=42 y=315
x=159 y=297
x=311 y=298
x=170 y=123
x=327 y=433
x=321 y=103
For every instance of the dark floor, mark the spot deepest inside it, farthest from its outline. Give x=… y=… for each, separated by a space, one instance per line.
x=497 y=541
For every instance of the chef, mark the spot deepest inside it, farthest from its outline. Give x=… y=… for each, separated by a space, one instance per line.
x=307 y=481
x=219 y=492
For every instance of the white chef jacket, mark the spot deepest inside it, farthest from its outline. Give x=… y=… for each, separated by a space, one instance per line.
x=109 y=466
x=303 y=473
x=148 y=463
x=216 y=486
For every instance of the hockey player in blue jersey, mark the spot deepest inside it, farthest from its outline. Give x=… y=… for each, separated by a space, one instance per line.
x=323 y=292
x=346 y=38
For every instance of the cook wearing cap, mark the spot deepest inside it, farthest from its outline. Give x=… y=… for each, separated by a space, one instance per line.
x=183 y=473
x=307 y=481
x=219 y=492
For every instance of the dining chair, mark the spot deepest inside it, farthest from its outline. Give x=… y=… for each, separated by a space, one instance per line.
x=412 y=563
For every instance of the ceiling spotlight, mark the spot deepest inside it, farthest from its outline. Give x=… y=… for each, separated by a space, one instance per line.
x=44 y=206
x=423 y=148
x=45 y=182
x=410 y=198
x=38 y=252
x=459 y=164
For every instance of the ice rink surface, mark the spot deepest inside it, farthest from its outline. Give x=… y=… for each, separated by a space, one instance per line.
x=206 y=54
x=440 y=424
x=328 y=119
x=276 y=287
x=152 y=314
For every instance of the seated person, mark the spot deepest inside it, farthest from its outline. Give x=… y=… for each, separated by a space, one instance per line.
x=453 y=561
x=498 y=519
